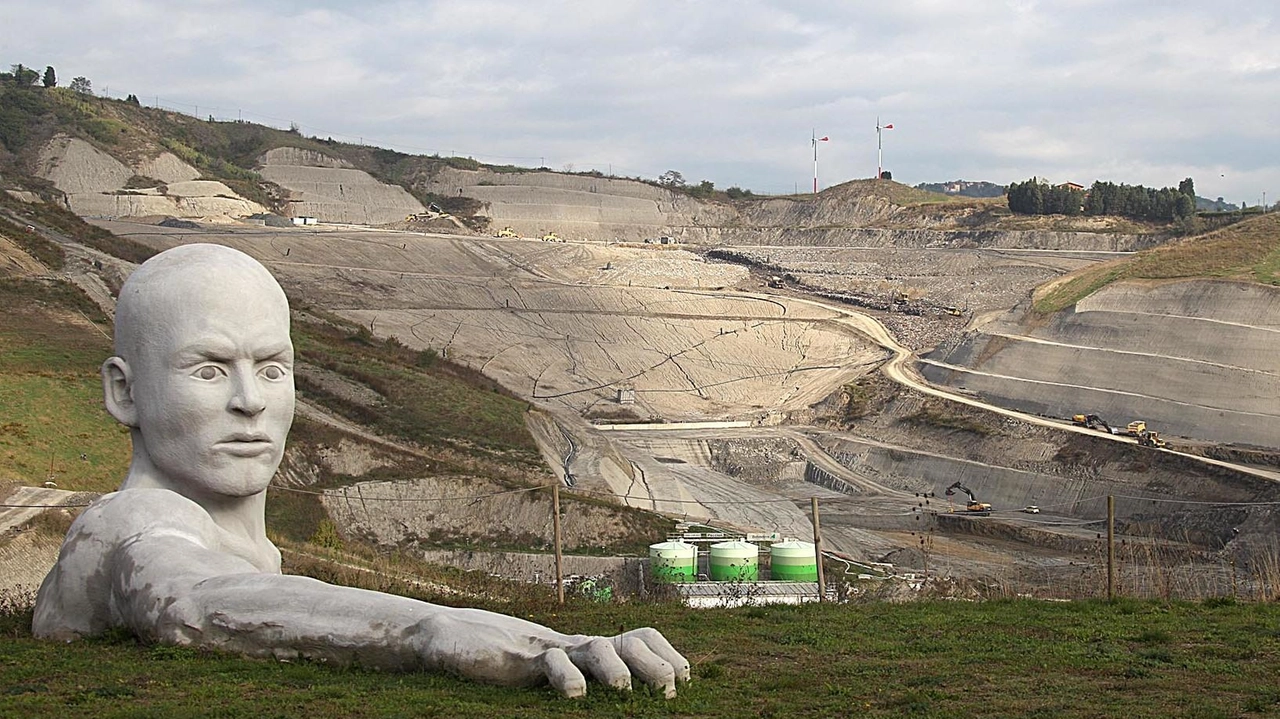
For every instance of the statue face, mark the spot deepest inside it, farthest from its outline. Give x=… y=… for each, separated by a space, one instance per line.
x=213 y=385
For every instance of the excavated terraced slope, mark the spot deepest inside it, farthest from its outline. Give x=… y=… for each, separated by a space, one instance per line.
x=332 y=190
x=1195 y=358
x=606 y=209
x=94 y=184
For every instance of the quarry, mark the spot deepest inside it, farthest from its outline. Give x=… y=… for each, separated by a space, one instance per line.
x=848 y=347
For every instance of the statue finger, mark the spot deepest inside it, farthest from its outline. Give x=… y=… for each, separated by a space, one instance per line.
x=598 y=658
x=645 y=664
x=562 y=674
x=659 y=645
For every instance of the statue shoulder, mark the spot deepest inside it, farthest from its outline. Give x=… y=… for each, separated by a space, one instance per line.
x=130 y=512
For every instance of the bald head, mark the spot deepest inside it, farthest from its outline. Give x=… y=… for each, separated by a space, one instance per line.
x=184 y=280
x=203 y=372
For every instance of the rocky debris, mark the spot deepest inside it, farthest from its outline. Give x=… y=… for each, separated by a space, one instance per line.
x=757 y=461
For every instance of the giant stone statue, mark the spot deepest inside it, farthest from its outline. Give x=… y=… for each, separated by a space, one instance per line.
x=203 y=377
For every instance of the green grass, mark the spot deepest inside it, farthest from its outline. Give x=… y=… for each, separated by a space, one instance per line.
x=928 y=659
x=428 y=401
x=51 y=415
x=67 y=223
x=33 y=243
x=1248 y=251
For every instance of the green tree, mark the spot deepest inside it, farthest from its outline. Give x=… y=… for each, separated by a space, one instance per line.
x=1188 y=188
x=24 y=76
x=706 y=188
x=671 y=179
x=50 y=78
x=82 y=85
x=1184 y=207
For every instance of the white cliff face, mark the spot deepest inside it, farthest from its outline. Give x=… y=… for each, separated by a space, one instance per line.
x=332 y=190
x=94 y=184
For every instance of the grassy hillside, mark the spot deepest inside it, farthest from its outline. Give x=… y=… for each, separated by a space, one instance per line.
x=52 y=424
x=1248 y=250
x=225 y=151
x=931 y=659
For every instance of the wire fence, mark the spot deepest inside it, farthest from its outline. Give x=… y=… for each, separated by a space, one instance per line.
x=1146 y=559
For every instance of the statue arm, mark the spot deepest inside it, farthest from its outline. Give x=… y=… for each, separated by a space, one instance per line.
x=172 y=589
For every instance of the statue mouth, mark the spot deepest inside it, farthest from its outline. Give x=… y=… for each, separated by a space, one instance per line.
x=245 y=444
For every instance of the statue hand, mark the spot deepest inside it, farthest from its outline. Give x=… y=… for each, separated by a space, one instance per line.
x=642 y=653
x=505 y=650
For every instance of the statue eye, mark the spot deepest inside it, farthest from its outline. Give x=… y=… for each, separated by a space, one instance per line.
x=208 y=372
x=273 y=372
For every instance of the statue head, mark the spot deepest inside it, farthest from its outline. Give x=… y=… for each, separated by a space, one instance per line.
x=202 y=372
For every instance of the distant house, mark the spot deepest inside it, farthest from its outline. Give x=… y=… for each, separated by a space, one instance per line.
x=304 y=220
x=1072 y=186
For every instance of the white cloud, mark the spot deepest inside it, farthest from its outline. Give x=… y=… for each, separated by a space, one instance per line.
x=1088 y=89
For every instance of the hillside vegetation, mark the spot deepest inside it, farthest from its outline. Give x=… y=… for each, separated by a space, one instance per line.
x=1248 y=251
x=927 y=659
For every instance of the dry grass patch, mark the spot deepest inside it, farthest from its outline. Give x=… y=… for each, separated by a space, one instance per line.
x=1248 y=250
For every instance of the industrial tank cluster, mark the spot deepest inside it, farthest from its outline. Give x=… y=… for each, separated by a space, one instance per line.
x=734 y=561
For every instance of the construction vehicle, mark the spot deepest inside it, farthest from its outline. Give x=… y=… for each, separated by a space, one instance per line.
x=1150 y=439
x=1135 y=428
x=775 y=282
x=974 y=505
x=1092 y=421
x=506 y=232
x=551 y=237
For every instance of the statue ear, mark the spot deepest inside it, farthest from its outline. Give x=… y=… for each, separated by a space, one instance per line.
x=117 y=391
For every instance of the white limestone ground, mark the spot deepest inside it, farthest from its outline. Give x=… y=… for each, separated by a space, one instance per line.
x=331 y=190
x=94 y=183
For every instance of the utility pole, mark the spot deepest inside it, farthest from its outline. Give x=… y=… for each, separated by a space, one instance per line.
x=1111 y=547
x=555 y=528
x=817 y=549
x=815 y=140
x=880 y=147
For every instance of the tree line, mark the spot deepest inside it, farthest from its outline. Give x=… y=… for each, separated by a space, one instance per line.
x=20 y=75
x=1035 y=197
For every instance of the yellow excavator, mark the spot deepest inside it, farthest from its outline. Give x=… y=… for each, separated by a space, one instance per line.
x=973 y=505
x=1092 y=421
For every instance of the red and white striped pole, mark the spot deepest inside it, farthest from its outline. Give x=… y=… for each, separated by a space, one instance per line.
x=815 y=140
x=880 y=148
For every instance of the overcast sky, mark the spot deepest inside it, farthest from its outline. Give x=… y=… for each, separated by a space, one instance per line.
x=1141 y=92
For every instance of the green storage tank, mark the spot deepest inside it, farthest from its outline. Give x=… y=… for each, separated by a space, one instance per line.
x=674 y=562
x=793 y=561
x=735 y=562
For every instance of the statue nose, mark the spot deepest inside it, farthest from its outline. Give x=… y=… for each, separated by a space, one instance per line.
x=248 y=398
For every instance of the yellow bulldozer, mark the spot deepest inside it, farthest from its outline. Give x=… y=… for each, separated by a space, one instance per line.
x=1150 y=439
x=506 y=232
